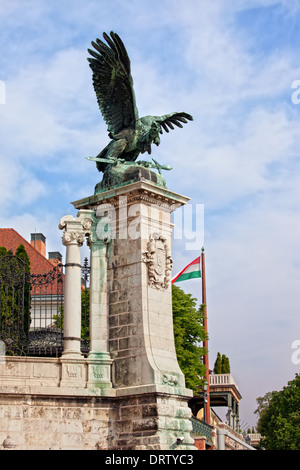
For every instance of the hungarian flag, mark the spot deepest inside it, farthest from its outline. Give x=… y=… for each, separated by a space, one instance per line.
x=189 y=272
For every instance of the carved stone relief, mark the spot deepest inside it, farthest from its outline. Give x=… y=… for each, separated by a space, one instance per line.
x=158 y=258
x=73 y=371
x=170 y=379
x=68 y=237
x=76 y=229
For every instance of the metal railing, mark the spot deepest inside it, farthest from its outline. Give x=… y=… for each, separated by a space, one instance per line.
x=200 y=428
x=31 y=309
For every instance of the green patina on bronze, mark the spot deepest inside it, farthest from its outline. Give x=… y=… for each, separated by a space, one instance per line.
x=129 y=134
x=121 y=173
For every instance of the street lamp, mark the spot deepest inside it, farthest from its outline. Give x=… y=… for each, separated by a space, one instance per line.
x=205 y=395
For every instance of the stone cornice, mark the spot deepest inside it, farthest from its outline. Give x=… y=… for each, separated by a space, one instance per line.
x=134 y=192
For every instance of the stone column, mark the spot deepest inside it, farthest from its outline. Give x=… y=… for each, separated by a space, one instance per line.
x=72 y=295
x=221 y=439
x=229 y=414
x=237 y=428
x=99 y=361
x=75 y=231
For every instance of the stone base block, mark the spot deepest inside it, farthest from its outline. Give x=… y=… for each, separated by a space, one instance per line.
x=99 y=371
x=151 y=420
x=73 y=371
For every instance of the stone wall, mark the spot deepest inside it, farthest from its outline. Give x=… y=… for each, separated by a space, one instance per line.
x=38 y=410
x=55 y=422
x=145 y=422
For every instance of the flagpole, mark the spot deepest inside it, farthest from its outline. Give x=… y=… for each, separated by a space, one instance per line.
x=206 y=404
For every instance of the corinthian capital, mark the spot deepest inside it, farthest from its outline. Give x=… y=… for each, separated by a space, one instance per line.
x=73 y=237
x=76 y=228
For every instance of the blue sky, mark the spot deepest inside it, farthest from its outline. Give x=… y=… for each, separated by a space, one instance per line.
x=229 y=64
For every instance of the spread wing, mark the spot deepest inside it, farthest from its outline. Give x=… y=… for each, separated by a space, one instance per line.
x=113 y=83
x=168 y=120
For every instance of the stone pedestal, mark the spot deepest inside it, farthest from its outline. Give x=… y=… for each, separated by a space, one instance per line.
x=137 y=219
x=132 y=225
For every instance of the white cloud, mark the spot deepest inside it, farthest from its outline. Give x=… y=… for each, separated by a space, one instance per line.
x=27 y=223
x=19 y=184
x=48 y=125
x=46 y=103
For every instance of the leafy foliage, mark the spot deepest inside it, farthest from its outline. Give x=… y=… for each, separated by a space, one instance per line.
x=222 y=365
x=188 y=333
x=85 y=314
x=279 y=417
x=218 y=364
x=22 y=253
x=225 y=365
x=3 y=251
x=15 y=299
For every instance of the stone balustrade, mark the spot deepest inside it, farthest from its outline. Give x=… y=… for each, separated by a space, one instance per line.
x=222 y=379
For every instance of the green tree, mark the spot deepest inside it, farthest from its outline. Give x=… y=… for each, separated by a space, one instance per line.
x=279 y=417
x=218 y=364
x=225 y=365
x=222 y=365
x=188 y=333
x=85 y=314
x=22 y=254
x=263 y=402
x=15 y=299
x=15 y=276
x=4 y=300
x=3 y=251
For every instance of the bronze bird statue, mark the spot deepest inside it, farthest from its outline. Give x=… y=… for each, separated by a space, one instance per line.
x=113 y=84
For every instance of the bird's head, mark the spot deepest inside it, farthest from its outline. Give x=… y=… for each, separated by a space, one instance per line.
x=154 y=133
x=148 y=131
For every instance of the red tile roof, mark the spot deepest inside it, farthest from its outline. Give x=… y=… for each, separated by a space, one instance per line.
x=11 y=239
x=39 y=265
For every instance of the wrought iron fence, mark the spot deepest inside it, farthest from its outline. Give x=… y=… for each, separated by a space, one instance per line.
x=31 y=309
x=46 y=325
x=14 y=304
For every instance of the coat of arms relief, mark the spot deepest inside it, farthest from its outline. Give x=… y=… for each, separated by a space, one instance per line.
x=158 y=258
